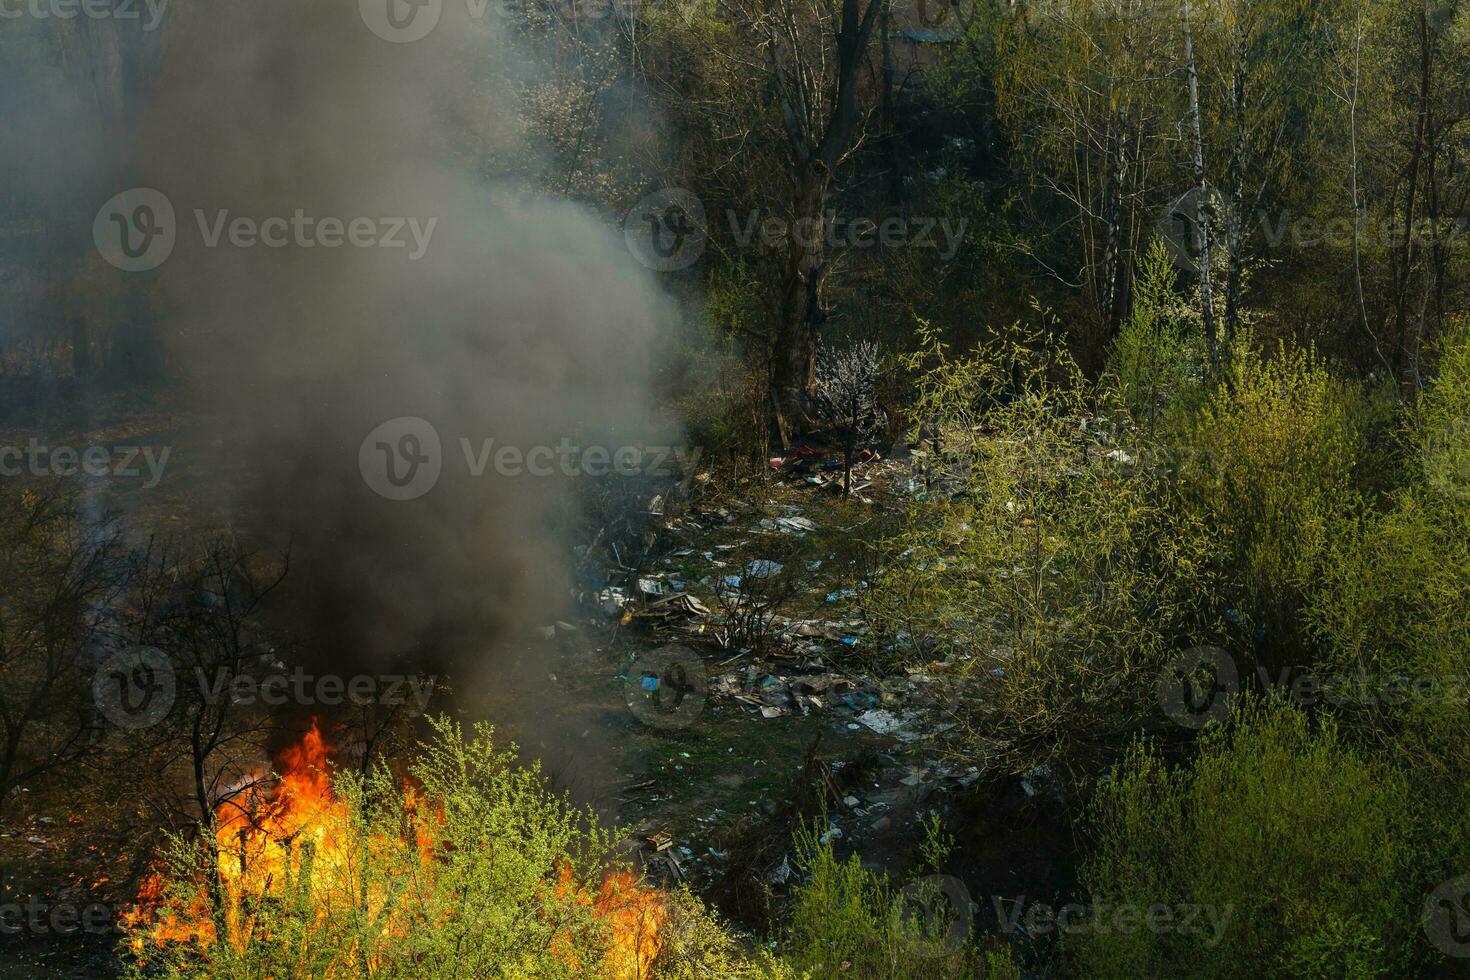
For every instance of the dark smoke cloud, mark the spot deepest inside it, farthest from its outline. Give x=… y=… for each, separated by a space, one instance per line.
x=525 y=319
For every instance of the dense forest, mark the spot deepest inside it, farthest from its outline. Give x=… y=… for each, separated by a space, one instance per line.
x=735 y=488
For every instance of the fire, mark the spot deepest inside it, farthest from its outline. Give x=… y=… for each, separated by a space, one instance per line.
x=288 y=837
x=637 y=916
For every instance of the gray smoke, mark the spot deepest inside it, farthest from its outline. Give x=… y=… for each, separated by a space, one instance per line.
x=525 y=320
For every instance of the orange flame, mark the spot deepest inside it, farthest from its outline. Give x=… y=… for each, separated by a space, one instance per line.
x=291 y=840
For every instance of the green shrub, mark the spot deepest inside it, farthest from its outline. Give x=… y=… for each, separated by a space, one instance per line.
x=1443 y=420
x=1269 y=462
x=697 y=946
x=848 y=921
x=1280 y=825
x=1389 y=608
x=480 y=871
x=1056 y=573
x=1155 y=365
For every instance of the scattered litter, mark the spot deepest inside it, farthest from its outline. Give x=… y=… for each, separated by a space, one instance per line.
x=651 y=586
x=794 y=458
x=690 y=604
x=880 y=721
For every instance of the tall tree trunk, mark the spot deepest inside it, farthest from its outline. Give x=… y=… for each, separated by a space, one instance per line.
x=814 y=153
x=1113 y=267
x=1404 y=264
x=1234 y=238
x=1436 y=285
x=794 y=356
x=1353 y=177
x=1202 y=202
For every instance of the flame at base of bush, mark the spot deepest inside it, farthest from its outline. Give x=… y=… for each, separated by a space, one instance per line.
x=289 y=846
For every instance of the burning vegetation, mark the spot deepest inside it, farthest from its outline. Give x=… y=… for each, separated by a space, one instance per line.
x=468 y=860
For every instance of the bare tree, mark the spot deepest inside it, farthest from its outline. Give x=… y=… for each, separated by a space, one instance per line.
x=812 y=52
x=58 y=573
x=846 y=388
x=201 y=608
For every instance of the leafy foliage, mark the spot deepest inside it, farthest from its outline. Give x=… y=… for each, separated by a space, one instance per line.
x=1294 y=835
x=1058 y=575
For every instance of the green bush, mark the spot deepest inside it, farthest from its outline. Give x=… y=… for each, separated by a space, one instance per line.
x=848 y=921
x=1057 y=572
x=1389 y=609
x=479 y=871
x=697 y=946
x=1269 y=461
x=1155 y=365
x=1297 y=837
